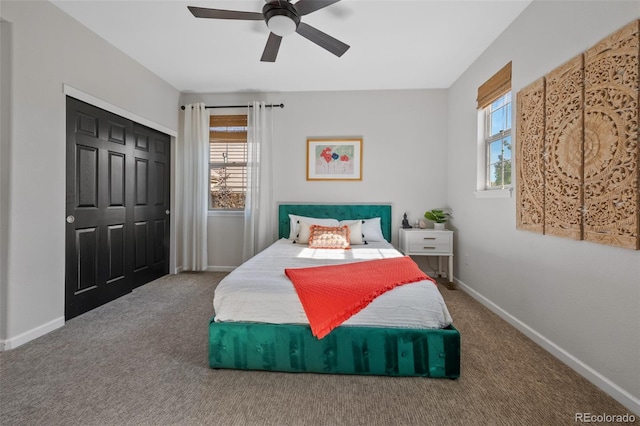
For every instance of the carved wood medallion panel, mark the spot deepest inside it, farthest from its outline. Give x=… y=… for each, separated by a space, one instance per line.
x=563 y=150
x=578 y=138
x=530 y=158
x=611 y=140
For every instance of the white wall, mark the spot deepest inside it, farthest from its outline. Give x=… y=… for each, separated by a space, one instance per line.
x=404 y=151
x=580 y=300
x=50 y=49
x=5 y=125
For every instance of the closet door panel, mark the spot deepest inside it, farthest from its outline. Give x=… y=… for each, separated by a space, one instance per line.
x=117 y=206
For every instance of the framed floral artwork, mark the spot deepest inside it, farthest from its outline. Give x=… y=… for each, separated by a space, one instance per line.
x=334 y=159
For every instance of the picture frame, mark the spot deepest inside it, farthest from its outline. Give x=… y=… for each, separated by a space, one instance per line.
x=336 y=159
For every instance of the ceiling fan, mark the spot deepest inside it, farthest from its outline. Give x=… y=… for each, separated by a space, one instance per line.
x=282 y=18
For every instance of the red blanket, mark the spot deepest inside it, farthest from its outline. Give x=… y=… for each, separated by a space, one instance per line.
x=331 y=294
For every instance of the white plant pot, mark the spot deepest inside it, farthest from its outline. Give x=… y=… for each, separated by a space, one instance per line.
x=439 y=226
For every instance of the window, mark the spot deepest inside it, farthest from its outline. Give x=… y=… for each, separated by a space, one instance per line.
x=227 y=162
x=494 y=135
x=497 y=143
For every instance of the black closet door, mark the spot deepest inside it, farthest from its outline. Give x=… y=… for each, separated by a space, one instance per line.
x=150 y=187
x=117 y=183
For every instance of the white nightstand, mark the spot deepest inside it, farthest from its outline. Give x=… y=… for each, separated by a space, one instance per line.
x=428 y=242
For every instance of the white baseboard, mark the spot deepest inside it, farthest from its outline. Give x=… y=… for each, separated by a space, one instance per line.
x=32 y=334
x=610 y=388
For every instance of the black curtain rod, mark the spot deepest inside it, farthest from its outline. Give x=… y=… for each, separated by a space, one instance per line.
x=238 y=106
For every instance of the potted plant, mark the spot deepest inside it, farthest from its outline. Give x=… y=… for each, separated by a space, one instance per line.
x=438 y=217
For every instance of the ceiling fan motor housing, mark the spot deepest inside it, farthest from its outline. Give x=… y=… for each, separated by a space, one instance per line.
x=281 y=17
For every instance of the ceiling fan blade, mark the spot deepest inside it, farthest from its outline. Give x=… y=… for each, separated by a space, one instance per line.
x=203 y=12
x=271 y=49
x=321 y=39
x=305 y=7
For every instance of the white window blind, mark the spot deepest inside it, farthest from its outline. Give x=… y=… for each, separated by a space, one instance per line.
x=228 y=161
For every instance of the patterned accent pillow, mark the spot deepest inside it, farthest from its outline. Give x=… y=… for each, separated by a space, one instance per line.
x=329 y=237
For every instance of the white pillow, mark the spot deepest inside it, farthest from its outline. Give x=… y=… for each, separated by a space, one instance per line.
x=355 y=231
x=371 y=230
x=294 y=226
x=304 y=232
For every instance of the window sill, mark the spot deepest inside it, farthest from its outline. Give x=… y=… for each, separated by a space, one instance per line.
x=494 y=193
x=225 y=213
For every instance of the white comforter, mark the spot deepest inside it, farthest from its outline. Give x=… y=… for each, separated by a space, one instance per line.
x=259 y=291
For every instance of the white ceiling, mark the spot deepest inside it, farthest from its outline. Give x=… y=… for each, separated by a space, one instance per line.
x=394 y=44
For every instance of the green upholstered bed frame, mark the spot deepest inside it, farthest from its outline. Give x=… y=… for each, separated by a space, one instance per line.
x=347 y=349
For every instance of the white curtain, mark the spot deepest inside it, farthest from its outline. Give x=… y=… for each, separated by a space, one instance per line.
x=195 y=187
x=258 y=204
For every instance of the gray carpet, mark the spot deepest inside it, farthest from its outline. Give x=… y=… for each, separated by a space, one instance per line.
x=142 y=360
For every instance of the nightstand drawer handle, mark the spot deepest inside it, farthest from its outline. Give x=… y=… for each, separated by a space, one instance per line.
x=430 y=248
x=429 y=238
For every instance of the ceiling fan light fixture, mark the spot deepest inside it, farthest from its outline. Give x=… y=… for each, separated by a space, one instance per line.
x=281 y=17
x=281 y=25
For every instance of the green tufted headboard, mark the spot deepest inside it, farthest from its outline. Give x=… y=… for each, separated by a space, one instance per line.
x=336 y=211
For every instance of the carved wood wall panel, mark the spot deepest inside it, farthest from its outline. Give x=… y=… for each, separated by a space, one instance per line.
x=589 y=160
x=563 y=150
x=530 y=158
x=611 y=147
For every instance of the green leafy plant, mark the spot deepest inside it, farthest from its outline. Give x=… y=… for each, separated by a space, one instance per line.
x=438 y=216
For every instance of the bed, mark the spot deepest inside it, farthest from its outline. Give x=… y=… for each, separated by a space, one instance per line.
x=252 y=333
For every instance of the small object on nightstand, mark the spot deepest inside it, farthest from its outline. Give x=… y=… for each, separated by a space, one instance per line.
x=405 y=222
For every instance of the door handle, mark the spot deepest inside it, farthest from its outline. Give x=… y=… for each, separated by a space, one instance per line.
x=167 y=212
x=71 y=219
